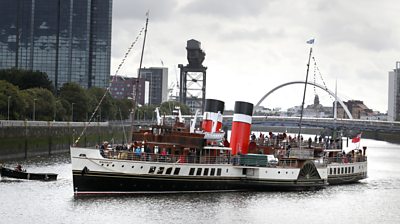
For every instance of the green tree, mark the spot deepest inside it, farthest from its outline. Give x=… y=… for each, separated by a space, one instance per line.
x=125 y=107
x=10 y=101
x=60 y=113
x=39 y=104
x=107 y=109
x=26 y=79
x=168 y=107
x=146 y=112
x=74 y=99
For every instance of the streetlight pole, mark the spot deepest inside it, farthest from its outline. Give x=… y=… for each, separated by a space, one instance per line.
x=72 y=112
x=8 y=108
x=34 y=109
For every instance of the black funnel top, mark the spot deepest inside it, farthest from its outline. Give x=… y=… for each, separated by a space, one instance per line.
x=243 y=108
x=213 y=105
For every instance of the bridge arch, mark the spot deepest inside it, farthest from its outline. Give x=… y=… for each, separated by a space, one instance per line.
x=308 y=83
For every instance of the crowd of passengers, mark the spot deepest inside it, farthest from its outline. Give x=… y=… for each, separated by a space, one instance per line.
x=282 y=142
x=285 y=140
x=142 y=151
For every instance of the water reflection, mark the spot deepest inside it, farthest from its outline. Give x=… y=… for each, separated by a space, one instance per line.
x=373 y=200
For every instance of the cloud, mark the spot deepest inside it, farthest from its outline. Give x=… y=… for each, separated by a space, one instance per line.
x=225 y=9
x=256 y=45
x=136 y=9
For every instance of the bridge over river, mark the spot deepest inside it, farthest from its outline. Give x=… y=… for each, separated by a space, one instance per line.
x=328 y=123
x=264 y=123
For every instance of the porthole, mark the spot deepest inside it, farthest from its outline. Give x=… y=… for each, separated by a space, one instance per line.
x=279 y=172
x=113 y=165
x=123 y=166
x=102 y=164
x=141 y=167
x=227 y=170
x=286 y=172
x=133 y=167
x=108 y=164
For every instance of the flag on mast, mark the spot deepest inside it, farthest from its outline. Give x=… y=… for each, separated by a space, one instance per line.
x=310 y=41
x=356 y=139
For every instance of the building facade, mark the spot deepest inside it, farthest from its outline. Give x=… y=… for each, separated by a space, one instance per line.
x=357 y=109
x=125 y=88
x=70 y=40
x=394 y=94
x=158 y=84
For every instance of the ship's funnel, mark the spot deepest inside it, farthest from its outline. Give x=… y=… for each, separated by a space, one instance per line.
x=213 y=115
x=241 y=125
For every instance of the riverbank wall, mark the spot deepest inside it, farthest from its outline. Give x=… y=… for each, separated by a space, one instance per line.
x=24 y=139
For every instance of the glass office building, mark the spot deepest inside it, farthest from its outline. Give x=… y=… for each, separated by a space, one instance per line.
x=158 y=80
x=70 y=40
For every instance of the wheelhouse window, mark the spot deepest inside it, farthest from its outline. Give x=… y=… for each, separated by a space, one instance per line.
x=160 y=170
x=219 y=172
x=177 y=170
x=191 y=171
x=198 y=173
x=205 y=172
x=212 y=172
x=168 y=171
x=152 y=169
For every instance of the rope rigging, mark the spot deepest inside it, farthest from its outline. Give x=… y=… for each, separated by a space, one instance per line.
x=316 y=69
x=109 y=86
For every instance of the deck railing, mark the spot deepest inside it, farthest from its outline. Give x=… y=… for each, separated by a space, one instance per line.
x=169 y=158
x=239 y=160
x=346 y=159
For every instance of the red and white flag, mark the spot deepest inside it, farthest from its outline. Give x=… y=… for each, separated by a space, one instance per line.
x=357 y=138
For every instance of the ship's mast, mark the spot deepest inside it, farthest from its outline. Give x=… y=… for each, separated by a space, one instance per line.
x=304 y=94
x=136 y=90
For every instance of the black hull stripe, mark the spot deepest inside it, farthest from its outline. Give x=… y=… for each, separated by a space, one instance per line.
x=88 y=183
x=336 y=180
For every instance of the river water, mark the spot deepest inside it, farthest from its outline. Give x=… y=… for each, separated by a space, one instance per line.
x=374 y=200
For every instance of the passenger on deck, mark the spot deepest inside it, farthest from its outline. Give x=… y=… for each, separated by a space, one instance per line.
x=102 y=151
x=18 y=168
x=163 y=154
x=138 y=152
x=226 y=143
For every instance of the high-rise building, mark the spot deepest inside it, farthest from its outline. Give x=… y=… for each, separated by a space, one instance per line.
x=125 y=88
x=158 y=80
x=70 y=40
x=394 y=94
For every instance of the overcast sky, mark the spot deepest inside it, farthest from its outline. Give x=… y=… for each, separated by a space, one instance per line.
x=252 y=46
